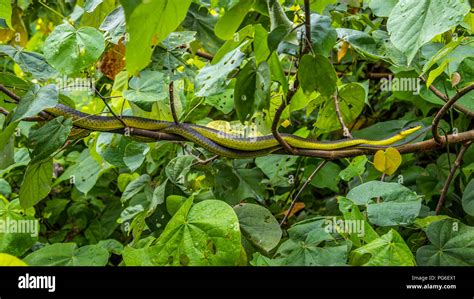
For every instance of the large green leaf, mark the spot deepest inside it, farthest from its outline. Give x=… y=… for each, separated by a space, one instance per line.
x=277 y=168
x=413 y=23
x=149 y=23
x=316 y=73
x=11 y=217
x=323 y=36
x=68 y=254
x=6 y=12
x=212 y=78
x=388 y=250
x=234 y=184
x=135 y=154
x=259 y=226
x=83 y=174
x=231 y=20
x=149 y=86
x=35 y=100
x=49 y=138
x=252 y=89
x=70 y=50
x=452 y=244
x=309 y=245
x=204 y=234
x=30 y=62
x=468 y=198
x=398 y=205
x=36 y=183
x=327 y=177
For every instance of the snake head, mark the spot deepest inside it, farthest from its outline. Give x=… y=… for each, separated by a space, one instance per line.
x=410 y=130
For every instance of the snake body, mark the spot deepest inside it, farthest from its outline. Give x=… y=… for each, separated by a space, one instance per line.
x=216 y=141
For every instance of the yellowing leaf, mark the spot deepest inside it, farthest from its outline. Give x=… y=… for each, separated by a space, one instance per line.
x=387 y=161
x=10 y=260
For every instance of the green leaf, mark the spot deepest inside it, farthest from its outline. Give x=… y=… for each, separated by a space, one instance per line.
x=413 y=23
x=30 y=62
x=382 y=8
x=49 y=138
x=311 y=245
x=436 y=73
x=468 y=198
x=451 y=245
x=323 y=36
x=351 y=99
x=252 y=89
x=5 y=188
x=204 y=234
x=351 y=212
x=70 y=50
x=178 y=168
x=316 y=73
x=149 y=23
x=278 y=16
x=36 y=100
x=6 y=12
x=10 y=260
x=236 y=184
x=388 y=250
x=135 y=187
x=135 y=154
x=149 y=86
x=327 y=177
x=355 y=168
x=259 y=226
x=68 y=254
x=83 y=174
x=12 y=241
x=277 y=168
x=400 y=205
x=262 y=52
x=36 y=183
x=223 y=101
x=231 y=20
x=202 y=22
x=441 y=54
x=212 y=78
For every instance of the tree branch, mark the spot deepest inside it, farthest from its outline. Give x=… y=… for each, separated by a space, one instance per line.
x=345 y=129
x=455 y=167
x=445 y=99
x=445 y=109
x=172 y=107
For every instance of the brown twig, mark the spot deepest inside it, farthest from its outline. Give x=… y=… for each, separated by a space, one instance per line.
x=276 y=120
x=172 y=107
x=292 y=91
x=445 y=99
x=445 y=109
x=307 y=25
x=345 y=129
x=104 y=100
x=308 y=180
x=204 y=55
x=454 y=168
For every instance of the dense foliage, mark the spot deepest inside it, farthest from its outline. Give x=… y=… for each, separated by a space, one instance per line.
x=361 y=68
